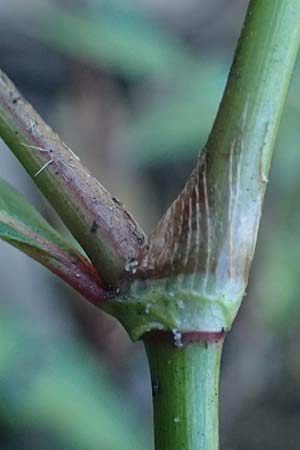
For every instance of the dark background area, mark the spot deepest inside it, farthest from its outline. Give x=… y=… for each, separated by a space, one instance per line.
x=133 y=87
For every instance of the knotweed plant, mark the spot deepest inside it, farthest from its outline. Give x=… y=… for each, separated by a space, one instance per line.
x=180 y=288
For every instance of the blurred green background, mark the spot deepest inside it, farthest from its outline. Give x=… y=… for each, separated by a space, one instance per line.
x=133 y=87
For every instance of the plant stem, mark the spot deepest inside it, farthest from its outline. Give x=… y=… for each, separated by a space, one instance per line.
x=185 y=384
x=210 y=231
x=104 y=228
x=240 y=147
x=205 y=242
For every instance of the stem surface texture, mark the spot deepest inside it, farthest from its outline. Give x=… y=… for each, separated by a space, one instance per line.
x=185 y=384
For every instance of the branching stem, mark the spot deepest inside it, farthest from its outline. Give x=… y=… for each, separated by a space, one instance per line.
x=103 y=227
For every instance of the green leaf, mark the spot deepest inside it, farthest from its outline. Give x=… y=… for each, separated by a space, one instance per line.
x=130 y=44
x=23 y=227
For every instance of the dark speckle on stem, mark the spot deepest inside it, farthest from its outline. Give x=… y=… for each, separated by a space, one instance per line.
x=140 y=239
x=95 y=226
x=155 y=387
x=16 y=99
x=117 y=201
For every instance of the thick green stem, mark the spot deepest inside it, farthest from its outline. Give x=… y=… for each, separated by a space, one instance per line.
x=207 y=238
x=185 y=384
x=199 y=255
x=240 y=147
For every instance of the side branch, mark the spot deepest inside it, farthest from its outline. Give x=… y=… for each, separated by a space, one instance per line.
x=105 y=230
x=207 y=237
x=192 y=274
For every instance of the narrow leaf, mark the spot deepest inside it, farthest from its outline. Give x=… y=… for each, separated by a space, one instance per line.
x=129 y=44
x=23 y=227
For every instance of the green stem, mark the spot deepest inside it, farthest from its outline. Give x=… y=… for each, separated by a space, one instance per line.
x=185 y=384
x=202 y=249
x=240 y=146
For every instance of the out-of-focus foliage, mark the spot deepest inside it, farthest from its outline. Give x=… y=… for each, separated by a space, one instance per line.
x=119 y=39
x=55 y=386
x=175 y=125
